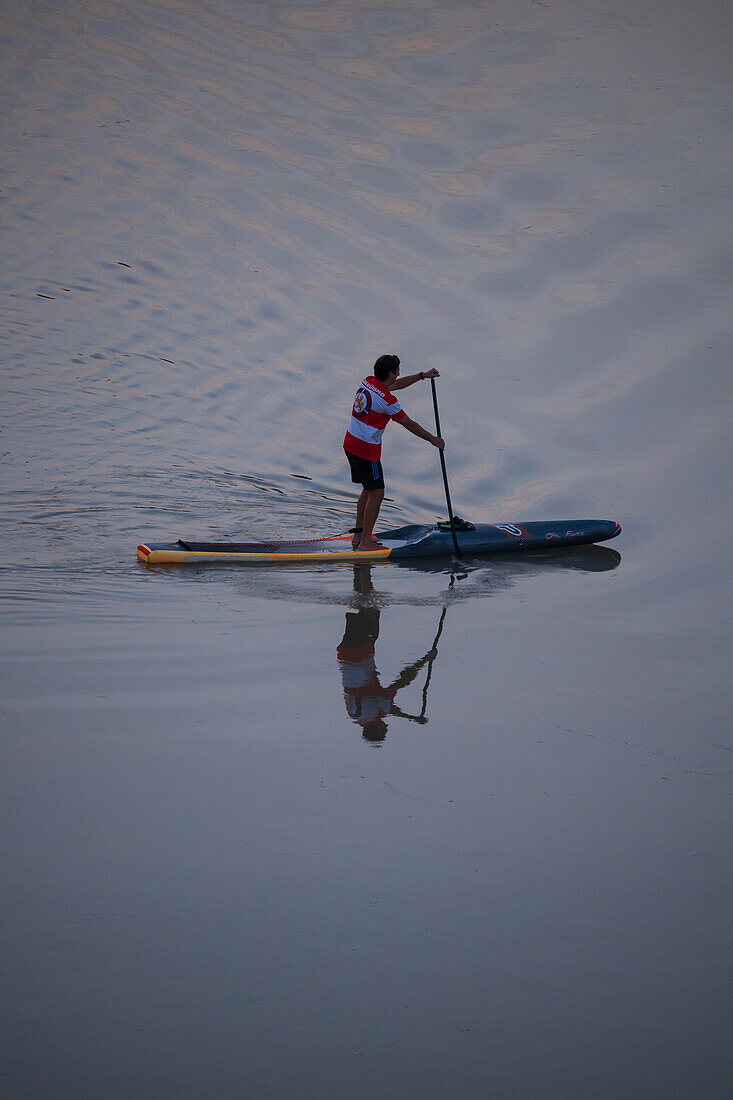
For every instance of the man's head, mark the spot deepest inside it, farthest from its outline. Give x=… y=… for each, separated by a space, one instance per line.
x=376 y=730
x=385 y=366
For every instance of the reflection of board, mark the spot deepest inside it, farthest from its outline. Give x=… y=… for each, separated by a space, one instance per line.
x=399 y=545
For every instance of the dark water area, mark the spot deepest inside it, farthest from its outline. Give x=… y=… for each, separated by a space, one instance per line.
x=505 y=870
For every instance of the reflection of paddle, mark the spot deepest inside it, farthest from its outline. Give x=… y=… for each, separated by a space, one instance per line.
x=409 y=673
x=445 y=475
x=431 y=662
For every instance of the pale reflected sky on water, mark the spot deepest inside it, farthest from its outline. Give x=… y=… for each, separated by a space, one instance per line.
x=215 y=216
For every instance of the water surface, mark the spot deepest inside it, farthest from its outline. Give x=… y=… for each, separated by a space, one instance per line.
x=219 y=875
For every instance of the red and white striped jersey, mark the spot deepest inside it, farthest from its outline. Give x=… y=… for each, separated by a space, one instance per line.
x=374 y=406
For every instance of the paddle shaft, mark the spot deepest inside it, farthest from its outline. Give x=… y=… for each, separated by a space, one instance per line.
x=445 y=475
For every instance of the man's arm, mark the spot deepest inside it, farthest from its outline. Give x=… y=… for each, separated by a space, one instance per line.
x=416 y=429
x=410 y=379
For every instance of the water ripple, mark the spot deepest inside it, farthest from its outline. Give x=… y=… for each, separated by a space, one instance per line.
x=216 y=216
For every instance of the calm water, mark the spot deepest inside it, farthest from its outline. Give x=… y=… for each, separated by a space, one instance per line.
x=215 y=216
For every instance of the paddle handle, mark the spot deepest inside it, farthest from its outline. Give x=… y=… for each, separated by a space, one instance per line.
x=445 y=475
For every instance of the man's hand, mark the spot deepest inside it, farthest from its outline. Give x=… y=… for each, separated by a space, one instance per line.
x=438 y=442
x=432 y=373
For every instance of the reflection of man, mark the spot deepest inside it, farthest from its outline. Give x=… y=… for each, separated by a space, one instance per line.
x=368 y=702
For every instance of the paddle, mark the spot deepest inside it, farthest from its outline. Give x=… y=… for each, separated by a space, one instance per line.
x=445 y=475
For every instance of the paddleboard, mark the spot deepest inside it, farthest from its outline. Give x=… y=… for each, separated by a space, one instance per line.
x=400 y=544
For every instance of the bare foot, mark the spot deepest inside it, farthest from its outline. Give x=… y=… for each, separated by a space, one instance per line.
x=370 y=544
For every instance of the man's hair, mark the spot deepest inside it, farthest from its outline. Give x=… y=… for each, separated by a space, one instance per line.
x=384 y=366
x=375 y=731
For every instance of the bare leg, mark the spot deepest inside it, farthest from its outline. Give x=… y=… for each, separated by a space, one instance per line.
x=371 y=511
x=360 y=509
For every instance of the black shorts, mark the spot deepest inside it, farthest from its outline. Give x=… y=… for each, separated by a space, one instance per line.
x=365 y=472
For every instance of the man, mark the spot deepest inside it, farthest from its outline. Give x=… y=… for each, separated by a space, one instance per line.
x=374 y=407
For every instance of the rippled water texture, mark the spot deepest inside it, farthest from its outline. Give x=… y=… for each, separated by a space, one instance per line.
x=220 y=878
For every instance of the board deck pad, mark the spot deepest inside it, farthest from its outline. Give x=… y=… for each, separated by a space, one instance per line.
x=402 y=543
x=328 y=545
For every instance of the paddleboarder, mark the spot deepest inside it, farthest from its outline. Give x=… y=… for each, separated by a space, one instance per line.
x=374 y=406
